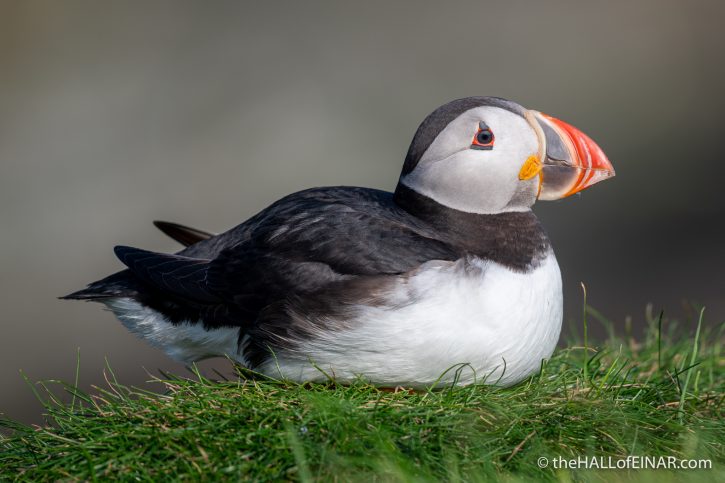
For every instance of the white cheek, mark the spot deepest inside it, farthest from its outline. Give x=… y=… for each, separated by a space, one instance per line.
x=466 y=181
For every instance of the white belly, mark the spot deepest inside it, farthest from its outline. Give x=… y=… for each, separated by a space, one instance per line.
x=493 y=324
x=186 y=342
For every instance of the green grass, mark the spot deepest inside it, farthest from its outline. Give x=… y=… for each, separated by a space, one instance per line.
x=658 y=395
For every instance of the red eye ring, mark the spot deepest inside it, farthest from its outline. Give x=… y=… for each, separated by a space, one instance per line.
x=483 y=139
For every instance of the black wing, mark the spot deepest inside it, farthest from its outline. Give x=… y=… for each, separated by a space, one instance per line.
x=298 y=247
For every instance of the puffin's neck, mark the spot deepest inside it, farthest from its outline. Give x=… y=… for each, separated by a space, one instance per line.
x=515 y=239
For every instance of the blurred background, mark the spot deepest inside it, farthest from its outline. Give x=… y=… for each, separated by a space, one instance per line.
x=113 y=114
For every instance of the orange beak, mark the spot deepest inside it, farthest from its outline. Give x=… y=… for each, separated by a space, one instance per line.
x=572 y=161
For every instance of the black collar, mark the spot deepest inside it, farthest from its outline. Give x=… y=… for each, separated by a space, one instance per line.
x=514 y=239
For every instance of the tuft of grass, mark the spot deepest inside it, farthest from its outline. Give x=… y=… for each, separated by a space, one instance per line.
x=658 y=396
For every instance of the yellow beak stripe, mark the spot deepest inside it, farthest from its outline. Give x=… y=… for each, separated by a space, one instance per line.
x=531 y=168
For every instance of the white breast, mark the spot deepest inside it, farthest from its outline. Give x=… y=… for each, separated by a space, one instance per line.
x=494 y=324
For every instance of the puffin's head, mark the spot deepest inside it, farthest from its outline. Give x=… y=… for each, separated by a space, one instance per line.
x=490 y=155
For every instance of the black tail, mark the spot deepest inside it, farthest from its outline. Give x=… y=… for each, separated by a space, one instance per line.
x=125 y=284
x=182 y=234
x=120 y=284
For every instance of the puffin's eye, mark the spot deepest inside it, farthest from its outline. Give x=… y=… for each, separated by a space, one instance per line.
x=483 y=138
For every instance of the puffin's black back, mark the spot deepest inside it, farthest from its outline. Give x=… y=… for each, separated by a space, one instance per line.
x=299 y=245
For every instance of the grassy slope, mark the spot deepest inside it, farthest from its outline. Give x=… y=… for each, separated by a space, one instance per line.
x=621 y=402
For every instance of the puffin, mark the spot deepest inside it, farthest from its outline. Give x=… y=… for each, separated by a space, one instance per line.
x=451 y=279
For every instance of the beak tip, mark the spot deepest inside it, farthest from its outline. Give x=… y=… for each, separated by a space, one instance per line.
x=589 y=160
